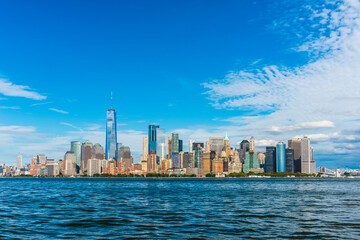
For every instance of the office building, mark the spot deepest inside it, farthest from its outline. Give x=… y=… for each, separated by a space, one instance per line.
x=97 y=152
x=251 y=163
x=270 y=160
x=175 y=158
x=174 y=143
x=86 y=154
x=296 y=145
x=145 y=151
x=289 y=160
x=19 y=161
x=69 y=163
x=111 y=134
x=280 y=157
x=216 y=144
x=152 y=138
x=161 y=145
x=191 y=148
x=252 y=144
x=244 y=148
x=181 y=145
x=76 y=149
x=188 y=160
x=307 y=162
x=197 y=156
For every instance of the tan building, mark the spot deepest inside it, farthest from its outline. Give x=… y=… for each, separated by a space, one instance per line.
x=205 y=163
x=165 y=165
x=152 y=166
x=217 y=166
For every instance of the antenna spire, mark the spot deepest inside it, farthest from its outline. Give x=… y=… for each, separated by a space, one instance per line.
x=111 y=101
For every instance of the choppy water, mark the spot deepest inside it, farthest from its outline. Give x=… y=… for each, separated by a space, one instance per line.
x=179 y=208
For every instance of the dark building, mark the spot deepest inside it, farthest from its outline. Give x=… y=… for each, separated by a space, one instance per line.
x=270 y=160
x=187 y=160
x=289 y=160
x=244 y=147
x=225 y=165
x=180 y=145
x=176 y=160
x=196 y=144
x=296 y=145
x=152 y=137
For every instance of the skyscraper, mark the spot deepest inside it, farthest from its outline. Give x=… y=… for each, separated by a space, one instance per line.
x=307 y=162
x=216 y=144
x=244 y=147
x=252 y=144
x=152 y=138
x=111 y=134
x=181 y=146
x=161 y=145
x=191 y=149
x=86 y=154
x=76 y=149
x=197 y=156
x=97 y=151
x=145 y=149
x=280 y=157
x=175 y=143
x=270 y=160
x=289 y=160
x=296 y=145
x=69 y=163
x=19 y=161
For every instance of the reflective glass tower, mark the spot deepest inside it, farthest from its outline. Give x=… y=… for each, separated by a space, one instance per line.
x=280 y=157
x=152 y=137
x=111 y=134
x=161 y=145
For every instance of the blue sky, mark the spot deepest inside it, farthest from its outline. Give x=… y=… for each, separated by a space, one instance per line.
x=250 y=68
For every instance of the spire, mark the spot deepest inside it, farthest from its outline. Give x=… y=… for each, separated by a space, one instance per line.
x=226 y=136
x=111 y=101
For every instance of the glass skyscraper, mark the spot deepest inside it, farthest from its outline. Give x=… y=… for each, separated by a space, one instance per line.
x=280 y=157
x=161 y=145
x=152 y=138
x=111 y=134
x=76 y=149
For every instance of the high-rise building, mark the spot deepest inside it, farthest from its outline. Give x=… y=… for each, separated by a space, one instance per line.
x=152 y=166
x=175 y=157
x=251 y=163
x=197 y=144
x=41 y=159
x=97 y=152
x=161 y=145
x=289 y=160
x=188 y=160
x=111 y=134
x=86 y=154
x=169 y=147
x=252 y=144
x=19 y=161
x=205 y=163
x=145 y=149
x=216 y=144
x=69 y=163
x=152 y=137
x=191 y=149
x=181 y=145
x=125 y=156
x=76 y=149
x=280 y=157
x=296 y=145
x=307 y=162
x=270 y=160
x=197 y=156
x=175 y=143
x=244 y=147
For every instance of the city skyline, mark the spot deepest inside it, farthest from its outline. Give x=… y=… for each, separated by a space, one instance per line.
x=246 y=72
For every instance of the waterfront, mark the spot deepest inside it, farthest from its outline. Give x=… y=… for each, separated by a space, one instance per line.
x=179 y=208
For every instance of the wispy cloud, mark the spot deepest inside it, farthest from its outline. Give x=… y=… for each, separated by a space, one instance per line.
x=58 y=110
x=8 y=107
x=70 y=125
x=7 y=88
x=300 y=126
x=42 y=103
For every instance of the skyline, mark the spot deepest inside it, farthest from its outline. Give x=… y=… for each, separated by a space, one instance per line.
x=244 y=71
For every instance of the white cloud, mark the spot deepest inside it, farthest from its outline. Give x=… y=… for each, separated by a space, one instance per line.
x=265 y=142
x=300 y=126
x=7 y=88
x=58 y=110
x=8 y=107
x=70 y=125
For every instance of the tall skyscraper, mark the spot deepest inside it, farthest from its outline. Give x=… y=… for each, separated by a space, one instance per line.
x=244 y=147
x=152 y=138
x=216 y=144
x=175 y=157
x=296 y=145
x=111 y=134
x=86 y=154
x=76 y=149
x=289 y=160
x=251 y=162
x=175 y=143
x=145 y=149
x=19 y=161
x=197 y=156
x=97 y=151
x=69 y=163
x=181 y=146
x=270 y=160
x=191 y=149
x=307 y=162
x=161 y=145
x=280 y=157
x=252 y=144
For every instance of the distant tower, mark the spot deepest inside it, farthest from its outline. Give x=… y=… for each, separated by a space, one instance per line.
x=76 y=149
x=19 y=161
x=111 y=134
x=252 y=144
x=307 y=162
x=152 y=138
x=145 y=149
x=175 y=143
x=280 y=157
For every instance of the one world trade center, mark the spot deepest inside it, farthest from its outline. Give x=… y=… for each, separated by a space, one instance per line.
x=111 y=134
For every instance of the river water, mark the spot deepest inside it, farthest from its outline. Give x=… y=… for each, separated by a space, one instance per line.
x=179 y=208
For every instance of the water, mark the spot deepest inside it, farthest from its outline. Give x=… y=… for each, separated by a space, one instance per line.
x=179 y=208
